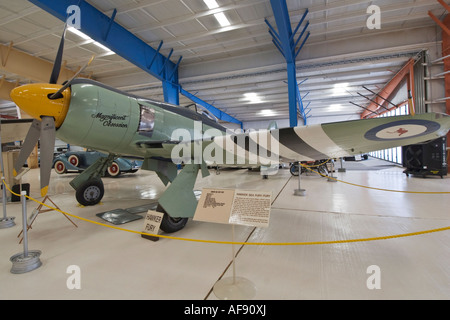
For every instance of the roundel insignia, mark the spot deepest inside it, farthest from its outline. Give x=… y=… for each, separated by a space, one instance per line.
x=403 y=129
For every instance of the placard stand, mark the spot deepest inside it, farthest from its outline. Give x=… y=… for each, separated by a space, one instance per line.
x=39 y=210
x=234 y=207
x=234 y=288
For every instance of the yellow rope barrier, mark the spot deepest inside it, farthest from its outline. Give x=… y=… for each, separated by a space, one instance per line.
x=316 y=165
x=238 y=243
x=373 y=188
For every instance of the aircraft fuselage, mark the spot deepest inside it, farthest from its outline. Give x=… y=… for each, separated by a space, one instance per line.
x=108 y=120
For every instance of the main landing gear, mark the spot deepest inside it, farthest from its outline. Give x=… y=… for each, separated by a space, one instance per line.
x=88 y=185
x=90 y=192
x=170 y=224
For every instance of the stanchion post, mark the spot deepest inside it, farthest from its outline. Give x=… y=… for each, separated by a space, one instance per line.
x=330 y=177
x=5 y=222
x=299 y=192
x=27 y=260
x=24 y=224
x=342 y=169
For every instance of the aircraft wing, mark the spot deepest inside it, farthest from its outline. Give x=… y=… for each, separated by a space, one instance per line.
x=267 y=148
x=315 y=142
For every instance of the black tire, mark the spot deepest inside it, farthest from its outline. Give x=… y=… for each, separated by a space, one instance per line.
x=90 y=193
x=169 y=224
x=294 y=170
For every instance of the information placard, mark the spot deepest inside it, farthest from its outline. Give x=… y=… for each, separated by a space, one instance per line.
x=152 y=223
x=214 y=205
x=228 y=206
x=251 y=208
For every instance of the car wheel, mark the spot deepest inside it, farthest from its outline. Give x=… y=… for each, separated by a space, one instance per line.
x=60 y=167
x=90 y=193
x=74 y=160
x=114 y=170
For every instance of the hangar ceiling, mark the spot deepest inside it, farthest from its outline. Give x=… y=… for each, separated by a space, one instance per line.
x=227 y=66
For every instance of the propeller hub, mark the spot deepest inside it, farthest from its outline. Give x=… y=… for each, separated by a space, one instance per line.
x=34 y=100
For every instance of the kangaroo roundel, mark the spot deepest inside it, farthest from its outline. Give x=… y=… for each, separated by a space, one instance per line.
x=403 y=129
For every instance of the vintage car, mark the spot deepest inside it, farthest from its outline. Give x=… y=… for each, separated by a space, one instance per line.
x=80 y=160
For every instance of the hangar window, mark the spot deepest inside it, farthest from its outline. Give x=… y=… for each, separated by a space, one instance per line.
x=395 y=154
x=147 y=121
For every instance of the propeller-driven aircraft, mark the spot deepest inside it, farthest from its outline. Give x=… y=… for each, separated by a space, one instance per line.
x=90 y=114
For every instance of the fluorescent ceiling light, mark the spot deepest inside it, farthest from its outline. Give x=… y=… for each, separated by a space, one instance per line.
x=101 y=46
x=212 y=4
x=340 y=89
x=267 y=113
x=86 y=37
x=79 y=33
x=252 y=97
x=222 y=19
x=336 y=107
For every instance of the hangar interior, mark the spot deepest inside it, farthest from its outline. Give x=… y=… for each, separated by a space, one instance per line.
x=248 y=63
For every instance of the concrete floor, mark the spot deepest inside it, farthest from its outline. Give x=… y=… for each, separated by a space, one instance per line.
x=116 y=264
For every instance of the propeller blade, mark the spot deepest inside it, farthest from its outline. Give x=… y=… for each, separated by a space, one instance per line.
x=48 y=134
x=30 y=142
x=57 y=64
x=58 y=94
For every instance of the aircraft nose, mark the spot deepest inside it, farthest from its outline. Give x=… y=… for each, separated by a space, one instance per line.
x=34 y=100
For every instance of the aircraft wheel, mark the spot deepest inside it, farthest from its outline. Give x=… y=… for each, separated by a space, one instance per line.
x=169 y=224
x=60 y=167
x=114 y=170
x=90 y=193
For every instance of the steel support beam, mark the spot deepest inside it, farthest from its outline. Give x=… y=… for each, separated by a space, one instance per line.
x=293 y=93
x=380 y=101
x=219 y=114
x=28 y=66
x=109 y=33
x=284 y=40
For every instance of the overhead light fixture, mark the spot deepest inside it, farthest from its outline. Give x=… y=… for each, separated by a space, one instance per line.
x=267 y=113
x=340 y=89
x=220 y=17
x=252 y=97
x=102 y=46
x=87 y=38
x=79 y=33
x=336 y=107
x=223 y=20
x=212 y=4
